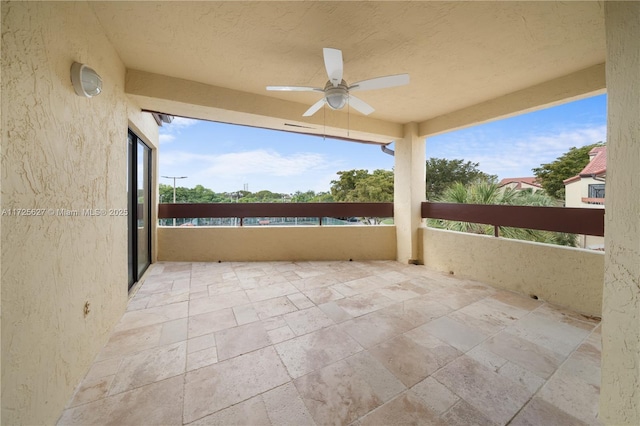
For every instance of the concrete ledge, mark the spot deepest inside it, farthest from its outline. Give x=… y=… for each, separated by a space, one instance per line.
x=210 y=244
x=568 y=277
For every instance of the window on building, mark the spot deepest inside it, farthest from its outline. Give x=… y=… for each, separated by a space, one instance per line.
x=596 y=190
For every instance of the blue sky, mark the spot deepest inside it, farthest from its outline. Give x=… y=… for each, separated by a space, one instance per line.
x=225 y=157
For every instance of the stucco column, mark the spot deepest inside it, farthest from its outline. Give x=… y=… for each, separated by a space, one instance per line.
x=620 y=388
x=409 y=192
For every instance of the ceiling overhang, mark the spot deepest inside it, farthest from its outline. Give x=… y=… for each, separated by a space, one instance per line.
x=577 y=85
x=469 y=62
x=185 y=98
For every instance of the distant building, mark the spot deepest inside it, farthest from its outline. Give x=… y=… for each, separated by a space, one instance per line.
x=586 y=190
x=520 y=183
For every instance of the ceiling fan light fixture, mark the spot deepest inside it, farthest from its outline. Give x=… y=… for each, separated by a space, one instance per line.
x=336 y=99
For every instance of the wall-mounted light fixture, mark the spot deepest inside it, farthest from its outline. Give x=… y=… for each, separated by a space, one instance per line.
x=86 y=82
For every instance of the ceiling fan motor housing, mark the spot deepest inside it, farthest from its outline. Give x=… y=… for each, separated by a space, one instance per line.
x=336 y=96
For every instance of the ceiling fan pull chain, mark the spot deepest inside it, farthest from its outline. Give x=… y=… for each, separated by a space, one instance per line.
x=324 y=123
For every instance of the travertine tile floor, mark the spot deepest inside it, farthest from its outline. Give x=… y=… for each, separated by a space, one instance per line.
x=362 y=343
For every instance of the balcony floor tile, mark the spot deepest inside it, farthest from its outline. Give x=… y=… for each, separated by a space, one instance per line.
x=362 y=343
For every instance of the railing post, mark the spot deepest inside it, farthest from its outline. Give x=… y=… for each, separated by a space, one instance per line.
x=496 y=231
x=242 y=221
x=320 y=220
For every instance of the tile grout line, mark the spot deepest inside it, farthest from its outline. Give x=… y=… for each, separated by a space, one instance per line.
x=400 y=303
x=260 y=394
x=465 y=354
x=555 y=372
x=186 y=358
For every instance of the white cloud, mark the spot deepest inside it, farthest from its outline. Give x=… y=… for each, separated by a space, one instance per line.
x=180 y=123
x=262 y=169
x=169 y=131
x=509 y=156
x=263 y=162
x=165 y=138
x=255 y=162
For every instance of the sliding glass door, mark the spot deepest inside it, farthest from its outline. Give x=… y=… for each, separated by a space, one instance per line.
x=139 y=204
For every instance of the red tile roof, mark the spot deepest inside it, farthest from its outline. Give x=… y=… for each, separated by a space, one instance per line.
x=597 y=165
x=571 y=179
x=519 y=181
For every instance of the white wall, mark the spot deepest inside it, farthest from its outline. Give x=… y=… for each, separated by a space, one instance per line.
x=59 y=151
x=573 y=194
x=575 y=191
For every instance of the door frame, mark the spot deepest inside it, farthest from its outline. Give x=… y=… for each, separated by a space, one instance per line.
x=133 y=243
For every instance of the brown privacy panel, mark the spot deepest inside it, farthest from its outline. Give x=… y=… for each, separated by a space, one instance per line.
x=558 y=219
x=167 y=211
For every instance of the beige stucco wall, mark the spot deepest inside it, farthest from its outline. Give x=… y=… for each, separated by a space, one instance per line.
x=210 y=244
x=620 y=389
x=523 y=185
x=573 y=194
x=59 y=151
x=575 y=191
x=409 y=191
x=563 y=276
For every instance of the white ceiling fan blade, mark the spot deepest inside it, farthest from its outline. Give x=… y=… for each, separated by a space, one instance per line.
x=294 y=89
x=314 y=108
x=360 y=105
x=381 y=82
x=333 y=64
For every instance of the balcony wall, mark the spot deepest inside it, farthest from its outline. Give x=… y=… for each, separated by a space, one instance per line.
x=60 y=151
x=272 y=243
x=564 y=276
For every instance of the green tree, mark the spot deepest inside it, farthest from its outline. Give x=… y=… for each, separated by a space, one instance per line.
x=303 y=197
x=311 y=197
x=266 y=196
x=200 y=194
x=376 y=187
x=442 y=173
x=323 y=197
x=489 y=193
x=165 y=193
x=343 y=188
x=362 y=186
x=551 y=175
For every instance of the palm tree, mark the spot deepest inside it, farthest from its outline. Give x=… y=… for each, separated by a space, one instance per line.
x=483 y=192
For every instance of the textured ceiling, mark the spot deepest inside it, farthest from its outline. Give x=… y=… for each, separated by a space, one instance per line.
x=457 y=53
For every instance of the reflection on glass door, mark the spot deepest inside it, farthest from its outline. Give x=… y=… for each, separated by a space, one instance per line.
x=139 y=196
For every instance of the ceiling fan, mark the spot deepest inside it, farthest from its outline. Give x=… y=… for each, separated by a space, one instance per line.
x=337 y=92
